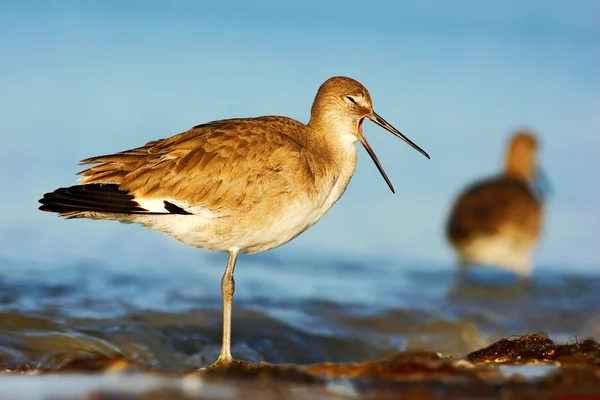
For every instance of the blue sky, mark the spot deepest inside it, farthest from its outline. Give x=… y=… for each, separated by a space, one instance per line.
x=82 y=78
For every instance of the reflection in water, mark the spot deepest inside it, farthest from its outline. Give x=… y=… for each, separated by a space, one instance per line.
x=313 y=311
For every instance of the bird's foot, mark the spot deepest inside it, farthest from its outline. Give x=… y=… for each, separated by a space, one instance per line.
x=230 y=363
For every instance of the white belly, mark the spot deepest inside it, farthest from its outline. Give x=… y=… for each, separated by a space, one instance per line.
x=504 y=251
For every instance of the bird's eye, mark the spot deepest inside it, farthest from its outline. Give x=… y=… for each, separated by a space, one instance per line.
x=351 y=99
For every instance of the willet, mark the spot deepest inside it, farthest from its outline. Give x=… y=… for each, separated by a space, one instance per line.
x=237 y=185
x=497 y=221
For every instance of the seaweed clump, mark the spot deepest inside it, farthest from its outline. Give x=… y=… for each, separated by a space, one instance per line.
x=537 y=348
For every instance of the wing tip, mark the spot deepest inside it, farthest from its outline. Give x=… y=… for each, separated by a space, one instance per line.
x=173 y=209
x=101 y=198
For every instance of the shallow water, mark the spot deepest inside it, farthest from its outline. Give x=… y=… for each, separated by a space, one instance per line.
x=286 y=310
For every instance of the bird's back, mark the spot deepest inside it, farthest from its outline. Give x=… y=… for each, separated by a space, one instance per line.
x=494 y=206
x=221 y=163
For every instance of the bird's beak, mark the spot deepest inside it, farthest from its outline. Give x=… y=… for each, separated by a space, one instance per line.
x=384 y=124
x=542 y=184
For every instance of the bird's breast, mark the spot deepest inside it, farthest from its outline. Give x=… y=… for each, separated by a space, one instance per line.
x=272 y=225
x=336 y=181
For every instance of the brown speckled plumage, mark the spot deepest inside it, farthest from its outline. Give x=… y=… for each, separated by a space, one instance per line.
x=219 y=164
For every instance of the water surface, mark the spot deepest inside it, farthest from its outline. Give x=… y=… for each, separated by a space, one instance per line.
x=304 y=309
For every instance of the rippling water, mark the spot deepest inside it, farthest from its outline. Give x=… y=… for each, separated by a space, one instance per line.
x=285 y=310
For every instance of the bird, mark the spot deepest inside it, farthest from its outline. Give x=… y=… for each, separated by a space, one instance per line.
x=497 y=221
x=242 y=185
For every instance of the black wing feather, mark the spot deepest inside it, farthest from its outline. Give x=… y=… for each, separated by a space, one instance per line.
x=98 y=197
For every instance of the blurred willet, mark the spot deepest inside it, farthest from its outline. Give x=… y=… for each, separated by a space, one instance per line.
x=237 y=185
x=497 y=221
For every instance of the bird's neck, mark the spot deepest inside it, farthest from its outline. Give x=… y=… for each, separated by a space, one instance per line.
x=520 y=164
x=336 y=129
x=333 y=150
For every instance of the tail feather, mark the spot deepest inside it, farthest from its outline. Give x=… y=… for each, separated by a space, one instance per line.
x=96 y=197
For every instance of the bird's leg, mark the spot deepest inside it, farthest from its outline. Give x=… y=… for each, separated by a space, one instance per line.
x=227 y=290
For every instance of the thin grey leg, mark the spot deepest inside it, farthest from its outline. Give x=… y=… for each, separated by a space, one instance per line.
x=227 y=290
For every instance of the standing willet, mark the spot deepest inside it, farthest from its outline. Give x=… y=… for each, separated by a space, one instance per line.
x=237 y=185
x=497 y=221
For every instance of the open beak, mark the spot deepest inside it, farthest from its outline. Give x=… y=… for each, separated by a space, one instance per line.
x=384 y=124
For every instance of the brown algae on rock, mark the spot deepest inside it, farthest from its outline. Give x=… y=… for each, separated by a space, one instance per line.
x=531 y=366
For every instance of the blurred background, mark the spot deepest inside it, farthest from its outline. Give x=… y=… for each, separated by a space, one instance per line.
x=82 y=78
